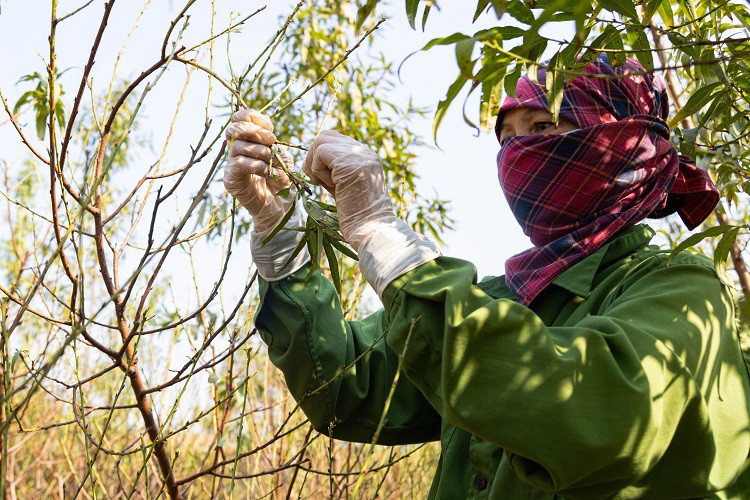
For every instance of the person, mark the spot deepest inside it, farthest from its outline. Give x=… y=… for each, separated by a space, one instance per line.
x=594 y=368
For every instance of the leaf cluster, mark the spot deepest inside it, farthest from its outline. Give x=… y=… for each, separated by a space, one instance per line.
x=38 y=99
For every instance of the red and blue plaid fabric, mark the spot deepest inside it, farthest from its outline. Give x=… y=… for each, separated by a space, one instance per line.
x=572 y=192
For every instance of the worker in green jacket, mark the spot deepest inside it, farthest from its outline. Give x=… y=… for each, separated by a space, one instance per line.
x=594 y=368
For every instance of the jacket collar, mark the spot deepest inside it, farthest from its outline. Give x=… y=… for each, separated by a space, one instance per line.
x=579 y=278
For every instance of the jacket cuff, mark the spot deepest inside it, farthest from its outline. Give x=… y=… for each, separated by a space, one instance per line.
x=270 y=259
x=390 y=250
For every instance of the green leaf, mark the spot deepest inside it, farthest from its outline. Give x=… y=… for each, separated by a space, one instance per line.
x=315 y=246
x=60 y=114
x=333 y=264
x=464 y=51
x=14 y=359
x=666 y=13
x=604 y=40
x=699 y=99
x=364 y=12
x=618 y=57
x=721 y=254
x=688 y=137
x=511 y=80
x=25 y=98
x=221 y=441
x=284 y=192
x=521 y=12
x=624 y=7
x=642 y=46
x=325 y=206
x=425 y=15
x=497 y=5
x=443 y=105
x=281 y=224
x=696 y=238
x=651 y=7
x=555 y=86
x=411 y=12
x=344 y=249
x=313 y=210
x=300 y=245
x=41 y=125
x=312 y=248
x=492 y=93
x=447 y=40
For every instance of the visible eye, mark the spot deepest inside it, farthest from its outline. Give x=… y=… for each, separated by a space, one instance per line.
x=540 y=127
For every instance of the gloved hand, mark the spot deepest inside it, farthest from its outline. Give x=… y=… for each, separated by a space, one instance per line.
x=250 y=176
x=353 y=174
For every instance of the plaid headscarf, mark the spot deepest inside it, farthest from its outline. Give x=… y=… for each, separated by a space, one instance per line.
x=572 y=192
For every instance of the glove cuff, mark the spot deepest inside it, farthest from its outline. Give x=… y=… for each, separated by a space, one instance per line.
x=391 y=249
x=271 y=257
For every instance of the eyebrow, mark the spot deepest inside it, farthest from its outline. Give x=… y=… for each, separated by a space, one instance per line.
x=525 y=113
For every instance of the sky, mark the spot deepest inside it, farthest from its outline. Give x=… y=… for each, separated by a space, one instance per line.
x=462 y=170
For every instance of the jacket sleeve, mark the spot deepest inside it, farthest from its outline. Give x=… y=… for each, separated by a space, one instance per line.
x=311 y=343
x=653 y=384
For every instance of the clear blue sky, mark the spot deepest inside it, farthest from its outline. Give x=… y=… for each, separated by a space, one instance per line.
x=463 y=172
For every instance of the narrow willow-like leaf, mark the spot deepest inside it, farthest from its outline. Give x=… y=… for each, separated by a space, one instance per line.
x=411 y=12
x=511 y=80
x=448 y=40
x=333 y=264
x=604 y=40
x=700 y=98
x=687 y=137
x=483 y=6
x=297 y=250
x=464 y=51
x=313 y=210
x=651 y=7
x=364 y=12
x=642 y=46
x=520 y=12
x=555 y=86
x=325 y=206
x=624 y=7
x=696 y=238
x=426 y=14
x=666 y=13
x=344 y=249
x=331 y=231
x=443 y=105
x=280 y=226
x=312 y=248
x=721 y=254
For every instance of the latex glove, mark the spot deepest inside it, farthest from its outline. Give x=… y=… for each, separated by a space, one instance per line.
x=251 y=178
x=249 y=175
x=353 y=174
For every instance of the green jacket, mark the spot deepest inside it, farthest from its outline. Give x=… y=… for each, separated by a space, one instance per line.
x=624 y=379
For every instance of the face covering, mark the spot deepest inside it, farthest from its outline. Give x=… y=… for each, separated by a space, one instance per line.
x=572 y=192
